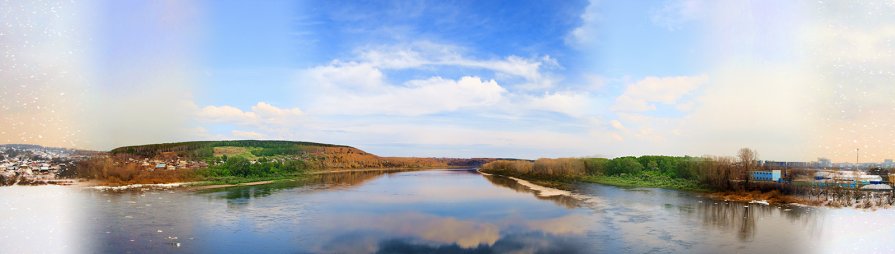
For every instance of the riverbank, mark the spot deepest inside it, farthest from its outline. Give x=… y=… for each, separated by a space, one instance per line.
x=664 y=182
x=233 y=181
x=644 y=180
x=563 y=183
x=647 y=181
x=771 y=197
x=217 y=186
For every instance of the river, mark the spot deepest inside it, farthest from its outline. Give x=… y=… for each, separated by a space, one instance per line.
x=434 y=211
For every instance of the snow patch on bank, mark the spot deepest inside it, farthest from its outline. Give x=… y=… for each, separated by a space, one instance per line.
x=542 y=190
x=760 y=202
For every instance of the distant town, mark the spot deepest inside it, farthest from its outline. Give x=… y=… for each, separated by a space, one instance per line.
x=868 y=176
x=33 y=164
x=824 y=163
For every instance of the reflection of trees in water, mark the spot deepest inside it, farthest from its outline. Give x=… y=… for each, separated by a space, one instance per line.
x=562 y=200
x=736 y=216
x=727 y=216
x=350 y=178
x=241 y=195
x=836 y=195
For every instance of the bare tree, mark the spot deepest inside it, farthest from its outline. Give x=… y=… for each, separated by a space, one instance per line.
x=748 y=160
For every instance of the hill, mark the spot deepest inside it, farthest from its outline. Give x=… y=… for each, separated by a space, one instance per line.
x=234 y=161
x=204 y=149
x=314 y=155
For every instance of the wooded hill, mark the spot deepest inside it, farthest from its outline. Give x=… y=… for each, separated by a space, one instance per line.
x=205 y=149
x=314 y=155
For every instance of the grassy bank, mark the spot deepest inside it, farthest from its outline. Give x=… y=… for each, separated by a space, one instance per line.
x=717 y=177
x=647 y=180
x=647 y=171
x=564 y=183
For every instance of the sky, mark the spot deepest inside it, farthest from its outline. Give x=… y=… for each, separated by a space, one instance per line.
x=524 y=79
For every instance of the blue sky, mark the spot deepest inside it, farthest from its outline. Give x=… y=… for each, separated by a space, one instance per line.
x=252 y=43
x=252 y=53
x=522 y=79
x=261 y=43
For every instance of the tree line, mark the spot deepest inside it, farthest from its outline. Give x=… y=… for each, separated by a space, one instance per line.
x=713 y=172
x=237 y=166
x=205 y=149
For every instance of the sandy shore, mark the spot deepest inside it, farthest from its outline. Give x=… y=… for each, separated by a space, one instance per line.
x=542 y=191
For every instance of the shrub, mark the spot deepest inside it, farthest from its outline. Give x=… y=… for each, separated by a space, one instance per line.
x=559 y=167
x=596 y=166
x=516 y=166
x=624 y=165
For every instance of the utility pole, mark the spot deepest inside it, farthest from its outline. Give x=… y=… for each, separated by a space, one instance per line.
x=857 y=158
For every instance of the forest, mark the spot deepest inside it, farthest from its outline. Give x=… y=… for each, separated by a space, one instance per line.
x=205 y=149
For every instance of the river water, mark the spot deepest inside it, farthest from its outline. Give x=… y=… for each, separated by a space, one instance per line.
x=435 y=211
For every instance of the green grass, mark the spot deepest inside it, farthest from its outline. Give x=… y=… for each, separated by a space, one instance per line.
x=234 y=151
x=647 y=179
x=557 y=182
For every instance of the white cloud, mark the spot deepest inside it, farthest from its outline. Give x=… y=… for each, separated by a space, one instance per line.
x=415 y=97
x=512 y=65
x=800 y=81
x=569 y=103
x=585 y=35
x=261 y=113
x=685 y=106
x=765 y=108
x=427 y=54
x=594 y=82
x=675 y=13
x=273 y=114
x=246 y=134
x=395 y=58
x=617 y=125
x=644 y=94
x=348 y=76
x=361 y=87
x=227 y=114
